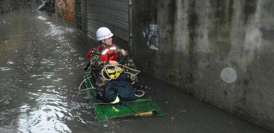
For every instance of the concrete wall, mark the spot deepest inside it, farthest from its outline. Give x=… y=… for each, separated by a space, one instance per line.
x=221 y=52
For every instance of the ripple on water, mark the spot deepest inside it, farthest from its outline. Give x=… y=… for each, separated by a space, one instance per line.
x=5 y=68
x=44 y=75
x=58 y=79
x=47 y=62
x=41 y=18
x=10 y=62
x=48 y=86
x=47 y=116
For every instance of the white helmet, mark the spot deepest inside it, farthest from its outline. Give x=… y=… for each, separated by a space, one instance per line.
x=103 y=33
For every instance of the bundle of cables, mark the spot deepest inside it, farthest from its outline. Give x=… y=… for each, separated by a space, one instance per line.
x=111 y=72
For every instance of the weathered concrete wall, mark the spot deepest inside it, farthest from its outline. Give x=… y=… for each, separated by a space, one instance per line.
x=219 y=51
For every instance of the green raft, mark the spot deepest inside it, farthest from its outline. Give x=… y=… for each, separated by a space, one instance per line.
x=140 y=107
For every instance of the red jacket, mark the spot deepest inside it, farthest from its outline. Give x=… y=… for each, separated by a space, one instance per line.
x=109 y=53
x=91 y=50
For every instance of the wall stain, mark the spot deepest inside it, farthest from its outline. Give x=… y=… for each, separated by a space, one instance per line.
x=172 y=8
x=249 y=9
x=220 y=12
x=230 y=11
x=219 y=35
x=192 y=25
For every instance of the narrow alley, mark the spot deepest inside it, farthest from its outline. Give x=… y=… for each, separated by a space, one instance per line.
x=42 y=63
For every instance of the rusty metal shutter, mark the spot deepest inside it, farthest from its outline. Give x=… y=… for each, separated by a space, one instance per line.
x=109 y=13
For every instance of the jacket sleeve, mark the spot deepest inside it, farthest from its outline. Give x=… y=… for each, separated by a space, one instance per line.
x=89 y=53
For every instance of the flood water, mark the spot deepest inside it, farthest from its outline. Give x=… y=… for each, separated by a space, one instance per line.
x=41 y=67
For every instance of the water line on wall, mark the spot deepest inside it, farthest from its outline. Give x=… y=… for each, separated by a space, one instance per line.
x=130 y=22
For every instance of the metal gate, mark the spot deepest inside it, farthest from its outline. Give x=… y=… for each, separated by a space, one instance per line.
x=78 y=14
x=108 y=13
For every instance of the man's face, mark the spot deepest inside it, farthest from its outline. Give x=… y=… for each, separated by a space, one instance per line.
x=108 y=41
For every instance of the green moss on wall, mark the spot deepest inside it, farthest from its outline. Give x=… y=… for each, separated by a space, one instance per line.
x=249 y=9
x=172 y=8
x=192 y=25
x=230 y=11
x=220 y=33
x=220 y=12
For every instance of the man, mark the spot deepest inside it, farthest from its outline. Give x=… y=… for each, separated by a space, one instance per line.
x=107 y=54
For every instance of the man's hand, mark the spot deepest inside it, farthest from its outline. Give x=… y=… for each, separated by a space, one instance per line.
x=113 y=62
x=123 y=52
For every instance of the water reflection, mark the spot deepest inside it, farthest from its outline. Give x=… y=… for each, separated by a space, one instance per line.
x=42 y=65
x=49 y=115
